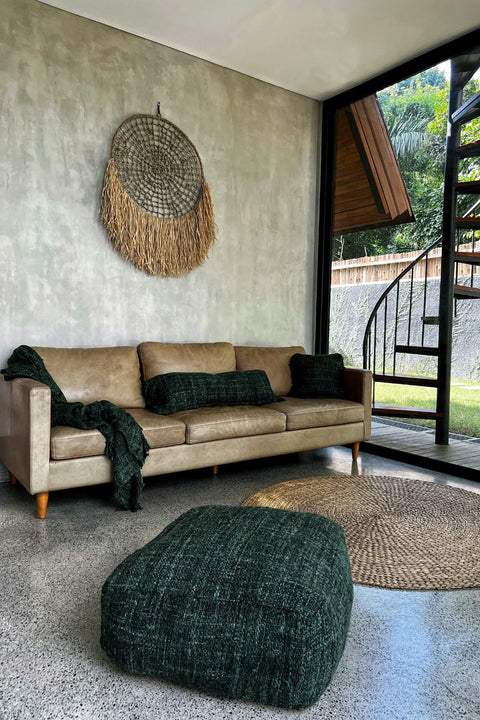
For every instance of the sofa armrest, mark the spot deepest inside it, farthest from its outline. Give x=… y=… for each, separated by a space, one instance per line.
x=358 y=387
x=25 y=406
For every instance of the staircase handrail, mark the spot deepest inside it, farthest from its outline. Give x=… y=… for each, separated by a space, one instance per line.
x=396 y=280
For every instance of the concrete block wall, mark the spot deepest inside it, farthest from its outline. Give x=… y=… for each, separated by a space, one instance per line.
x=356 y=302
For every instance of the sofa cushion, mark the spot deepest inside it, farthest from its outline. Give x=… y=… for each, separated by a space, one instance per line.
x=319 y=412
x=89 y=374
x=157 y=433
x=317 y=375
x=218 y=423
x=174 y=392
x=157 y=358
x=67 y=442
x=274 y=360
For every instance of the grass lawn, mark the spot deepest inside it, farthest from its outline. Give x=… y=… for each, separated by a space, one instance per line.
x=464 y=403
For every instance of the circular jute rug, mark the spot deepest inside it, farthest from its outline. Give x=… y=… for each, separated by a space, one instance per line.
x=402 y=534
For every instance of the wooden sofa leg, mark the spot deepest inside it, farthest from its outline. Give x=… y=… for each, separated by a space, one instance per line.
x=13 y=479
x=42 y=502
x=214 y=469
x=355 y=449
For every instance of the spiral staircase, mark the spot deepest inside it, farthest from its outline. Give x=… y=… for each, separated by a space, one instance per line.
x=396 y=327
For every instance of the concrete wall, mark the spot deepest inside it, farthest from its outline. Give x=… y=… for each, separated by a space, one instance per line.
x=351 y=306
x=67 y=84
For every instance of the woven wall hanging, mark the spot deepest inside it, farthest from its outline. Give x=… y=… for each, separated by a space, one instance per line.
x=156 y=203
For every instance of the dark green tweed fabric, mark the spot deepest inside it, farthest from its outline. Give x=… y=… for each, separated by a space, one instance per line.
x=247 y=602
x=125 y=443
x=317 y=376
x=177 y=391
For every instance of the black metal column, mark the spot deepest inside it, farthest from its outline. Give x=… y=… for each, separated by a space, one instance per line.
x=448 y=264
x=325 y=230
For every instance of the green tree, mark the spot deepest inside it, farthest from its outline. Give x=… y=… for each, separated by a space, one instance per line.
x=415 y=113
x=407 y=135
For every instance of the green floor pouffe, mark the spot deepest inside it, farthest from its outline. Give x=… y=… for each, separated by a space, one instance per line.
x=246 y=602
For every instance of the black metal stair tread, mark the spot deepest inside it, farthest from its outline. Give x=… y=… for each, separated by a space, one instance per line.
x=468 y=150
x=464 y=292
x=418 y=380
x=468 y=258
x=468 y=223
x=468 y=111
x=417 y=349
x=468 y=188
x=430 y=319
x=464 y=76
x=403 y=411
x=465 y=67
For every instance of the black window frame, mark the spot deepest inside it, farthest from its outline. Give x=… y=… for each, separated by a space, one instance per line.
x=458 y=46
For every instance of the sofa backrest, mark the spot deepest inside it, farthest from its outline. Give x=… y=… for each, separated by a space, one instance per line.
x=90 y=374
x=157 y=358
x=274 y=360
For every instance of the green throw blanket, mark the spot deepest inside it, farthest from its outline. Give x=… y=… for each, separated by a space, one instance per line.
x=125 y=443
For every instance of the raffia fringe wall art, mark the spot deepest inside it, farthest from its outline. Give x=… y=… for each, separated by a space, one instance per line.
x=156 y=203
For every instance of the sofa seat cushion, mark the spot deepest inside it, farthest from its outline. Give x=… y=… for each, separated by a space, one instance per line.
x=158 y=431
x=318 y=412
x=219 y=423
x=68 y=442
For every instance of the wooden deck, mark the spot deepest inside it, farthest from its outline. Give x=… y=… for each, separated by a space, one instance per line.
x=461 y=457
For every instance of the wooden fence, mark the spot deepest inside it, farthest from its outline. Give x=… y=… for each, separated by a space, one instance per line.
x=385 y=268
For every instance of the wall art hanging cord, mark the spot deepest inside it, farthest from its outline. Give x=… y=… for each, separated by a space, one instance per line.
x=156 y=204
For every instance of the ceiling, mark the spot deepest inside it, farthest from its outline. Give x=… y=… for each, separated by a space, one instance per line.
x=317 y=48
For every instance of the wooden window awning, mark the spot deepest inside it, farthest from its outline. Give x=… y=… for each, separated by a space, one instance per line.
x=369 y=188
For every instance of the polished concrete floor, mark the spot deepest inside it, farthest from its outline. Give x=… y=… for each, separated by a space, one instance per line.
x=409 y=655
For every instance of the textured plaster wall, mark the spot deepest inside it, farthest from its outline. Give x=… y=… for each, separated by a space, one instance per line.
x=67 y=83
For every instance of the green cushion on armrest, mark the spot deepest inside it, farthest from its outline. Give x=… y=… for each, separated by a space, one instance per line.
x=317 y=376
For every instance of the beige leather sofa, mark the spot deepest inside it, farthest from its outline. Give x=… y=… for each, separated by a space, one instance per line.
x=45 y=459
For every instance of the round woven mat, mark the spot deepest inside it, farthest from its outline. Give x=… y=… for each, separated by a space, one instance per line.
x=158 y=166
x=402 y=534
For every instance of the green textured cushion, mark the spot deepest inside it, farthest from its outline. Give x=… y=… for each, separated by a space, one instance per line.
x=317 y=375
x=177 y=391
x=245 y=602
